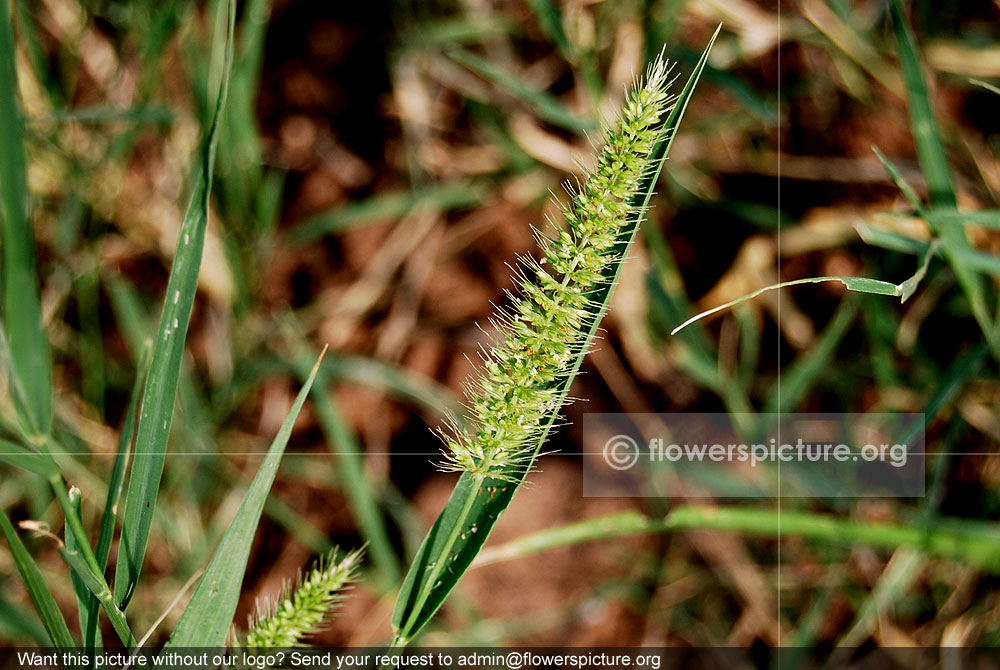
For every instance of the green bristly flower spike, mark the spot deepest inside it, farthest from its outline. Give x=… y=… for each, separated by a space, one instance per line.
x=543 y=332
x=542 y=338
x=302 y=611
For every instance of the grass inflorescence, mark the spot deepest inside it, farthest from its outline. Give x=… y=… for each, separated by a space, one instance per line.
x=302 y=610
x=543 y=332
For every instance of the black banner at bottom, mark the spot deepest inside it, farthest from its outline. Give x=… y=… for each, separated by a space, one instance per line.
x=499 y=658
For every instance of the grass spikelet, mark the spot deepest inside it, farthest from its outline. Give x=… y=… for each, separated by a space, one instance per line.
x=301 y=611
x=541 y=332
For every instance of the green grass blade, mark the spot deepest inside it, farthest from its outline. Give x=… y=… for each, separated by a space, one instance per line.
x=546 y=106
x=610 y=527
x=165 y=365
x=442 y=197
x=44 y=464
x=476 y=503
x=926 y=134
x=92 y=635
x=297 y=526
x=940 y=183
x=26 y=459
x=133 y=322
x=668 y=304
x=107 y=532
x=16 y=623
x=80 y=558
x=897 y=178
x=39 y=592
x=77 y=562
x=810 y=366
x=549 y=19
x=909 y=286
x=96 y=115
x=360 y=491
x=892 y=241
x=22 y=311
x=452 y=31
x=86 y=604
x=972 y=259
x=209 y=614
x=950 y=383
x=986 y=218
x=93 y=376
x=420 y=391
x=974 y=542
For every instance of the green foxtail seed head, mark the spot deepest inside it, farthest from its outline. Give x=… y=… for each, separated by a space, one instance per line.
x=301 y=612
x=543 y=331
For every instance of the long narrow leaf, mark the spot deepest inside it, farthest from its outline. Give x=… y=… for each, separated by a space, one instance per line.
x=17 y=623
x=52 y=618
x=81 y=560
x=209 y=615
x=360 y=492
x=476 y=503
x=979 y=261
x=77 y=553
x=168 y=349
x=986 y=218
x=99 y=588
x=86 y=603
x=940 y=183
x=22 y=312
x=32 y=461
x=973 y=542
x=107 y=532
x=926 y=134
x=809 y=366
x=545 y=105
x=387 y=206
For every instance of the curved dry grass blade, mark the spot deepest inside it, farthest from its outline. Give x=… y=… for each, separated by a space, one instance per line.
x=165 y=365
x=209 y=614
x=861 y=284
